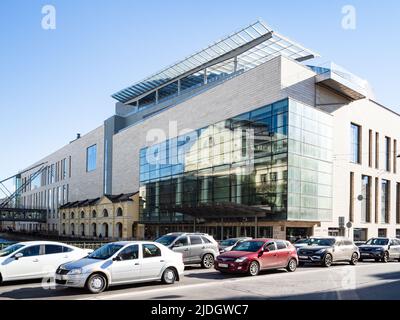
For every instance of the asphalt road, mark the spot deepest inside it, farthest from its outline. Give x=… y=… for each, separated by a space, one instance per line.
x=343 y=282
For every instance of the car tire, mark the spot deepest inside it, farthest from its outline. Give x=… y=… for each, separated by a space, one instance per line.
x=354 y=259
x=96 y=283
x=385 y=258
x=168 y=276
x=254 y=268
x=208 y=261
x=327 y=262
x=292 y=265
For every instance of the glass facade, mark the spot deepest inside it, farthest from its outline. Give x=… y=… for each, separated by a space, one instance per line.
x=255 y=159
x=91 y=157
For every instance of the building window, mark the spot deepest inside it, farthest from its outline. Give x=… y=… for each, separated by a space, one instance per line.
x=376 y=150
x=366 y=199
x=360 y=234
x=385 y=201
x=91 y=158
x=82 y=215
x=94 y=214
x=355 y=144
x=382 y=233
x=398 y=233
x=105 y=213
x=388 y=153
x=370 y=146
x=351 y=205
x=398 y=203
x=72 y=215
x=119 y=212
x=394 y=156
x=376 y=199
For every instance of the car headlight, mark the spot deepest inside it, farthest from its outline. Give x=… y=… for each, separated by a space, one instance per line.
x=320 y=251
x=242 y=259
x=75 y=271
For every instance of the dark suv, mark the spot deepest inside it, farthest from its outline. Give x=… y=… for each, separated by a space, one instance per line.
x=195 y=247
x=381 y=249
x=327 y=250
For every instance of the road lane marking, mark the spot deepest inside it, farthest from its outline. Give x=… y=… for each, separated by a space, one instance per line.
x=213 y=283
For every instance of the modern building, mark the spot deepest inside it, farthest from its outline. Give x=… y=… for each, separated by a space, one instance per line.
x=246 y=137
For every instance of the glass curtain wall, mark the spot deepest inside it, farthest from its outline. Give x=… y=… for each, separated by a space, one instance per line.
x=241 y=160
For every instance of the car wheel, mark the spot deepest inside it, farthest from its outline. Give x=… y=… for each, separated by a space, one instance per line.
x=292 y=265
x=169 y=276
x=254 y=268
x=385 y=257
x=327 y=260
x=96 y=283
x=354 y=259
x=208 y=261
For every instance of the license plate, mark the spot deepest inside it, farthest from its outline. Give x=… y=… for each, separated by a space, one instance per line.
x=223 y=265
x=303 y=257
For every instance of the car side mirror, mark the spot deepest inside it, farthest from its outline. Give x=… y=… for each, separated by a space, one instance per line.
x=117 y=258
x=18 y=255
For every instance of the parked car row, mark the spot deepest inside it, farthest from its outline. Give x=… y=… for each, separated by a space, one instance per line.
x=128 y=262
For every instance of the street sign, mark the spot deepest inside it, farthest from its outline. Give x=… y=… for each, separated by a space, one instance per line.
x=349 y=225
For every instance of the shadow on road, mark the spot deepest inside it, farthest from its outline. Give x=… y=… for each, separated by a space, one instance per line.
x=38 y=293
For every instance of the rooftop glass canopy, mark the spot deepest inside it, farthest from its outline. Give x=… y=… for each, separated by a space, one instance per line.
x=240 y=51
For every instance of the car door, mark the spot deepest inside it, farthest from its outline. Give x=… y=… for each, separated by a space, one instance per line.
x=126 y=267
x=196 y=248
x=152 y=262
x=181 y=245
x=393 y=249
x=283 y=253
x=26 y=267
x=52 y=258
x=338 y=251
x=269 y=257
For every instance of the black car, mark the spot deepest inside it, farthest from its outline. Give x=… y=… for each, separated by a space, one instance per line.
x=380 y=249
x=327 y=250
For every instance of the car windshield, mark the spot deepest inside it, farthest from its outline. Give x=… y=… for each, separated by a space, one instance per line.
x=249 y=246
x=378 y=242
x=105 y=252
x=11 y=249
x=321 y=242
x=166 y=240
x=228 y=242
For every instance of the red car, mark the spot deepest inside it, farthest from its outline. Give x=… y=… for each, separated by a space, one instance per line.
x=255 y=255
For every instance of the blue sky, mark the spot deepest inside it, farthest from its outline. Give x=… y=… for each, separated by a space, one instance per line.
x=55 y=83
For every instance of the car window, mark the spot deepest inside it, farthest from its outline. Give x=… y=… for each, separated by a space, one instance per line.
x=183 y=241
x=281 y=245
x=392 y=242
x=150 y=251
x=52 y=249
x=347 y=243
x=205 y=240
x=339 y=243
x=67 y=249
x=271 y=246
x=10 y=249
x=397 y=242
x=31 y=251
x=195 y=240
x=130 y=253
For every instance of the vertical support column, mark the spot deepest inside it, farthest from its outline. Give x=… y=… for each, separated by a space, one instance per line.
x=205 y=76
x=238 y=188
x=179 y=87
x=156 y=96
x=204 y=190
x=222 y=229
x=235 y=63
x=255 y=227
x=157 y=200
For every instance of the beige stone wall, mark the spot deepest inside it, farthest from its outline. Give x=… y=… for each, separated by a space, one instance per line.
x=128 y=220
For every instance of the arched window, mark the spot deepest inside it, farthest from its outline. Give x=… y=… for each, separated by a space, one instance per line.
x=119 y=229
x=119 y=212
x=94 y=214
x=94 y=230
x=72 y=215
x=105 y=213
x=105 y=230
x=82 y=230
x=72 y=229
x=63 y=215
x=82 y=215
x=63 y=227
